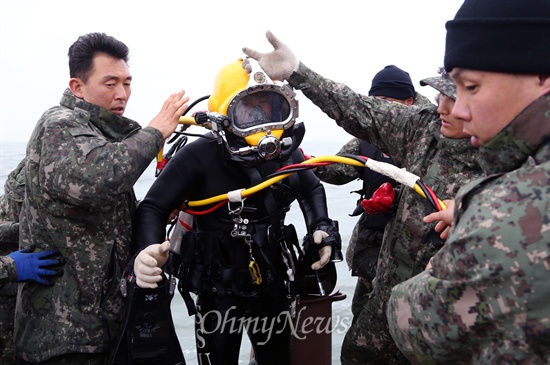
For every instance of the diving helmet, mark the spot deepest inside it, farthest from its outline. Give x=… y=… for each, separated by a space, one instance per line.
x=258 y=110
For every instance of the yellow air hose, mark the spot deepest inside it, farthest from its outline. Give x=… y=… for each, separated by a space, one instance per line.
x=394 y=172
x=386 y=169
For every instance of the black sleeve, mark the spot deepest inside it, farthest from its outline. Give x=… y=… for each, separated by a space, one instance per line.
x=312 y=197
x=167 y=193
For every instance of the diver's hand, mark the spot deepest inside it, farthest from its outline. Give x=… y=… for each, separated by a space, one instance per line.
x=148 y=264
x=444 y=218
x=278 y=64
x=324 y=252
x=167 y=119
x=37 y=266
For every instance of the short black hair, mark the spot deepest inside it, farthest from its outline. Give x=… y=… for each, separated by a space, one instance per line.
x=86 y=47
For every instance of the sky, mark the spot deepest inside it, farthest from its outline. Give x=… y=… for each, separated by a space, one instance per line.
x=182 y=44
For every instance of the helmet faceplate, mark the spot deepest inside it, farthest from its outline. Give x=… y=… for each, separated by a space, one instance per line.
x=262 y=107
x=259 y=109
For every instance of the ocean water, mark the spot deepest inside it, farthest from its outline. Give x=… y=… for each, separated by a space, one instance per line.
x=340 y=203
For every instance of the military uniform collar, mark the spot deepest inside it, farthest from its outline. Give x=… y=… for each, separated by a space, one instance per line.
x=519 y=140
x=459 y=149
x=112 y=126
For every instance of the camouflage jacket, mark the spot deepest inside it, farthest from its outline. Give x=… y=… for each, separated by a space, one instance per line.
x=10 y=207
x=485 y=299
x=9 y=237
x=366 y=237
x=410 y=135
x=14 y=191
x=81 y=164
x=8 y=272
x=340 y=174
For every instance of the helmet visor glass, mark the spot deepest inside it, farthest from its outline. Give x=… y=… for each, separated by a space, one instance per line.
x=260 y=108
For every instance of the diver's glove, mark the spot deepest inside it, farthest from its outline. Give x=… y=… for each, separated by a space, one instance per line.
x=329 y=245
x=381 y=200
x=278 y=64
x=37 y=266
x=148 y=264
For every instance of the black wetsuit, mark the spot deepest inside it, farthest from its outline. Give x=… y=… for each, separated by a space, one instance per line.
x=203 y=170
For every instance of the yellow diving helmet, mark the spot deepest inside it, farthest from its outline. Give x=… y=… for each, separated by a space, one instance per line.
x=260 y=110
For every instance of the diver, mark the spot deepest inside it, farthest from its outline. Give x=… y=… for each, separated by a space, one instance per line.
x=239 y=256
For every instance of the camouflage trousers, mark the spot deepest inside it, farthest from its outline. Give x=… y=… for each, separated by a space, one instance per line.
x=368 y=340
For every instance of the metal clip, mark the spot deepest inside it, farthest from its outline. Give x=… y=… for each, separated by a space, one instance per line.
x=237 y=220
x=237 y=211
x=240 y=225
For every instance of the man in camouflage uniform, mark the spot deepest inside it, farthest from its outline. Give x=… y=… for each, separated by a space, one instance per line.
x=10 y=206
x=485 y=298
x=82 y=161
x=393 y=84
x=28 y=262
x=417 y=140
x=14 y=191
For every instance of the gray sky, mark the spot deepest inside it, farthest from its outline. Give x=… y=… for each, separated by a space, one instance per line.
x=182 y=44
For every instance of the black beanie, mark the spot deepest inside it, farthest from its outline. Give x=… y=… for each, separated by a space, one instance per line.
x=508 y=36
x=392 y=82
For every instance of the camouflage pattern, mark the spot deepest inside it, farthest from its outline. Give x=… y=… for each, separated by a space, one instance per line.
x=442 y=83
x=81 y=164
x=410 y=135
x=8 y=295
x=10 y=207
x=366 y=237
x=9 y=237
x=485 y=299
x=14 y=191
x=8 y=271
x=340 y=174
x=364 y=245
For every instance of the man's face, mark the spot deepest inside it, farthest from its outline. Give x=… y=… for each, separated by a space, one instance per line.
x=488 y=101
x=451 y=127
x=253 y=110
x=108 y=85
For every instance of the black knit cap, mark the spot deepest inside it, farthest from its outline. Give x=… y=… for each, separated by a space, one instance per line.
x=392 y=82
x=509 y=36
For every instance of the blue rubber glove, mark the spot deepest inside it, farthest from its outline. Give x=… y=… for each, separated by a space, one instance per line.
x=37 y=266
